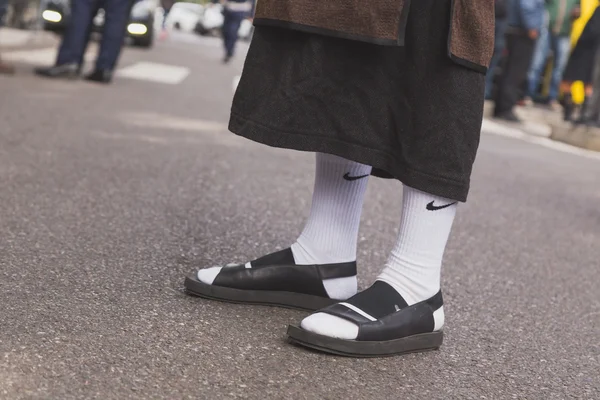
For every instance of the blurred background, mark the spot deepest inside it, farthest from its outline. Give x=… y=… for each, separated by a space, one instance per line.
x=119 y=177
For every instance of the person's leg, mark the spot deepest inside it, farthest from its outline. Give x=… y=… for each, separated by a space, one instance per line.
x=164 y=31
x=413 y=268
x=499 y=45
x=521 y=50
x=115 y=25
x=327 y=244
x=231 y=26
x=593 y=110
x=561 y=48
x=540 y=54
x=330 y=233
x=502 y=100
x=76 y=36
x=568 y=105
x=3 y=9
x=583 y=109
x=5 y=68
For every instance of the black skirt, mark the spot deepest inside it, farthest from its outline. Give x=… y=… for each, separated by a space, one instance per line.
x=582 y=60
x=581 y=64
x=410 y=112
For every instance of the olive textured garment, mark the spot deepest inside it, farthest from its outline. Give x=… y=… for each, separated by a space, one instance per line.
x=383 y=22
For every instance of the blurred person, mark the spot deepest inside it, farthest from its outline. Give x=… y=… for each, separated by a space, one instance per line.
x=581 y=65
x=525 y=18
x=166 y=6
x=591 y=116
x=75 y=40
x=5 y=68
x=555 y=35
x=234 y=12
x=501 y=13
x=397 y=97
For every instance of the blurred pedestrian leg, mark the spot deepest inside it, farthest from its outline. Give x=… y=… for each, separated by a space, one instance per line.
x=74 y=41
x=540 y=55
x=231 y=26
x=520 y=48
x=115 y=26
x=581 y=65
x=76 y=38
x=5 y=68
x=499 y=45
x=3 y=11
x=555 y=35
x=166 y=6
x=234 y=12
x=525 y=19
x=592 y=113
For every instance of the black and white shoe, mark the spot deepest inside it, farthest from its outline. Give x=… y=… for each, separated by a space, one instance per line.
x=386 y=325
x=274 y=279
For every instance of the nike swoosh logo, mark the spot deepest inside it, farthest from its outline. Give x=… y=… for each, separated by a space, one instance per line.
x=431 y=207
x=353 y=178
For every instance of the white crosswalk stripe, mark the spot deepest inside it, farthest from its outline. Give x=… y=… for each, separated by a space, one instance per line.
x=155 y=72
x=143 y=70
x=45 y=56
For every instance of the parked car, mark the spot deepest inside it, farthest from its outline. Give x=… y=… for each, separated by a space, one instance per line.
x=184 y=16
x=140 y=29
x=211 y=23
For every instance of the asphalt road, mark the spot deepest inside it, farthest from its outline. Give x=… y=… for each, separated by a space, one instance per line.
x=110 y=195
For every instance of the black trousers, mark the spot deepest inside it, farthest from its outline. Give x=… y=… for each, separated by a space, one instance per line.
x=77 y=35
x=231 y=26
x=514 y=71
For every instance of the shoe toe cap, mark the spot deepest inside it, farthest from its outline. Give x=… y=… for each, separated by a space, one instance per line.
x=208 y=275
x=330 y=325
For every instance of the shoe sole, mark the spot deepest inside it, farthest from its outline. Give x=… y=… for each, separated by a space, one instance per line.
x=297 y=301
x=363 y=349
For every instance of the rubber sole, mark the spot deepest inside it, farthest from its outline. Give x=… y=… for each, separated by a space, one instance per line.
x=355 y=348
x=297 y=301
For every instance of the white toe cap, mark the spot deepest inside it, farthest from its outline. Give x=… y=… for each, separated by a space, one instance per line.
x=330 y=325
x=208 y=275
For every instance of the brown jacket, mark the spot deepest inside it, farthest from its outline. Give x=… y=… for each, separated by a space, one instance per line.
x=471 y=40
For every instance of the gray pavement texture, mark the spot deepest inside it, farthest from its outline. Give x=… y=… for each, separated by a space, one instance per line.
x=110 y=195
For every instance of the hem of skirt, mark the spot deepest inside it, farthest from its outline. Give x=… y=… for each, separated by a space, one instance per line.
x=384 y=165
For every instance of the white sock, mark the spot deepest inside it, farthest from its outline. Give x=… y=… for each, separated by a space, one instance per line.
x=331 y=232
x=414 y=265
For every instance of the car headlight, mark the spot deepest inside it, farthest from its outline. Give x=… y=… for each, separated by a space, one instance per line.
x=51 y=16
x=137 y=29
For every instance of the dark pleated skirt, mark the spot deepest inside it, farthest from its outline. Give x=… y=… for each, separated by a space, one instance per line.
x=410 y=112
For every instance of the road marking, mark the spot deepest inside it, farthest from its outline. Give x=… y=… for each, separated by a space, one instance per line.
x=37 y=57
x=14 y=37
x=495 y=128
x=154 y=72
x=170 y=122
x=44 y=57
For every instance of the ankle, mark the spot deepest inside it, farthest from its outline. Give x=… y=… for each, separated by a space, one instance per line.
x=341 y=288
x=310 y=254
